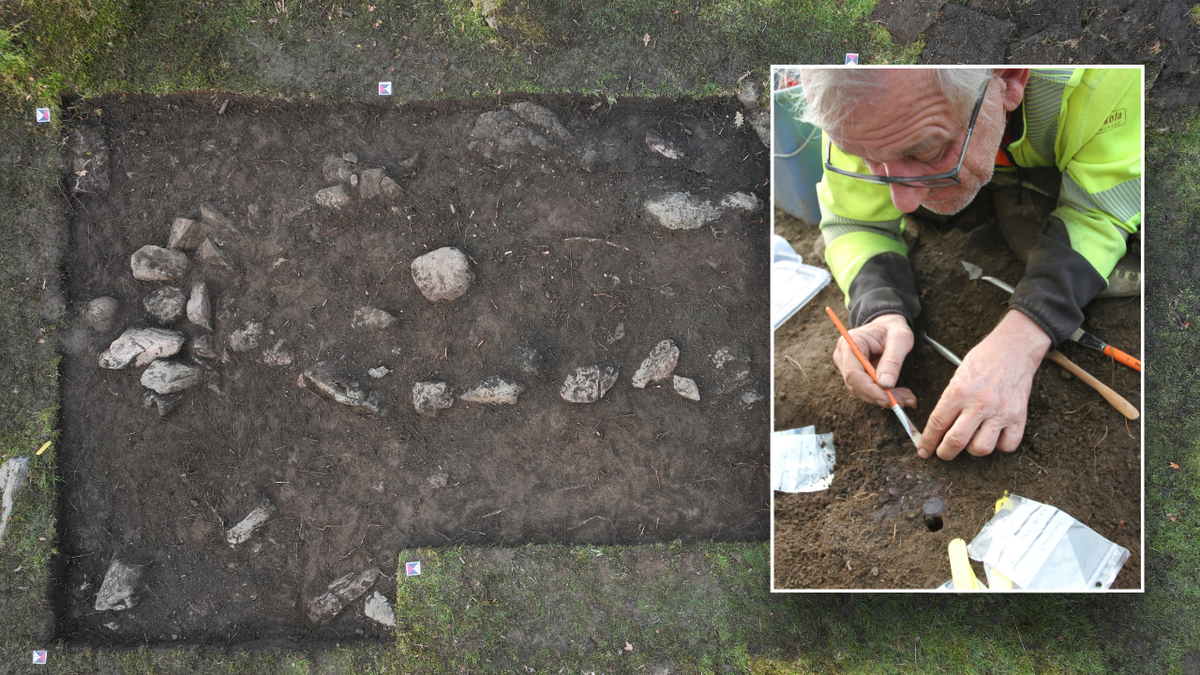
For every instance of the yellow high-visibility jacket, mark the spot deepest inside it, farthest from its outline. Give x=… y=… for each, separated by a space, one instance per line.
x=1087 y=122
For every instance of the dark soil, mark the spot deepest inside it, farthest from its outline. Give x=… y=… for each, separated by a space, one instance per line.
x=562 y=255
x=866 y=530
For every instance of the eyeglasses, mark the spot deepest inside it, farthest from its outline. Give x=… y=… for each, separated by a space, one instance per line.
x=935 y=181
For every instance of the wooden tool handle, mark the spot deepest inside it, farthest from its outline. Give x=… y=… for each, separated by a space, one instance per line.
x=1122 y=406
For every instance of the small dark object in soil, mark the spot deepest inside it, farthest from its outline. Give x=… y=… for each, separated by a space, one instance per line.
x=932 y=510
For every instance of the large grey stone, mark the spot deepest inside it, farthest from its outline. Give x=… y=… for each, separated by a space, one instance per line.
x=165 y=403
x=430 y=397
x=344 y=390
x=337 y=169
x=587 y=384
x=962 y=35
x=340 y=593
x=141 y=346
x=540 y=116
x=256 y=519
x=686 y=387
x=378 y=609
x=494 y=390
x=334 y=197
x=443 y=274
x=658 y=366
x=662 y=146
x=368 y=184
x=210 y=254
x=746 y=202
x=682 y=211
x=99 y=313
x=119 y=590
x=218 y=225
x=199 y=306
x=169 y=377
x=246 y=338
x=165 y=304
x=906 y=20
x=372 y=318
x=155 y=263
x=186 y=234
x=502 y=134
x=12 y=480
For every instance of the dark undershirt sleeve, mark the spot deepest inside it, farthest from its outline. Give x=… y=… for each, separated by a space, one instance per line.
x=884 y=285
x=1058 y=282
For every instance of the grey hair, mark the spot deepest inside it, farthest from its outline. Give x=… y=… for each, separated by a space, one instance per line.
x=832 y=93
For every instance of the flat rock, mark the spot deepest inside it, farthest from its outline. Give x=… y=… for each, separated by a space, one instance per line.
x=907 y=20
x=658 y=366
x=662 y=146
x=682 y=211
x=390 y=188
x=119 y=590
x=430 y=397
x=746 y=202
x=368 y=184
x=89 y=160
x=186 y=234
x=372 y=318
x=242 y=531
x=494 y=390
x=341 y=593
x=334 y=197
x=169 y=377
x=379 y=372
x=210 y=254
x=165 y=304
x=279 y=355
x=587 y=384
x=12 y=479
x=337 y=169
x=155 y=263
x=246 y=338
x=962 y=35
x=202 y=346
x=500 y=134
x=141 y=346
x=166 y=404
x=378 y=609
x=443 y=274
x=99 y=313
x=217 y=224
x=686 y=387
x=732 y=368
x=344 y=390
x=199 y=306
x=540 y=116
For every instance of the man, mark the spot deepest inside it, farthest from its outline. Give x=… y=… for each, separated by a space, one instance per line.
x=899 y=139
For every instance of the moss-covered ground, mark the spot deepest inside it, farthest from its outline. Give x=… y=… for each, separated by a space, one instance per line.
x=676 y=608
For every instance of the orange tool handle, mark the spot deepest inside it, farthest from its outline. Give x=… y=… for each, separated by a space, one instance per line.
x=1124 y=358
x=861 y=359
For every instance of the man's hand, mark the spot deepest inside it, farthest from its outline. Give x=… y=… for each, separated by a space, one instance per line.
x=885 y=341
x=984 y=407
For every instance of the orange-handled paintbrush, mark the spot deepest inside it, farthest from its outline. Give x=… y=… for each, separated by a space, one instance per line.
x=908 y=425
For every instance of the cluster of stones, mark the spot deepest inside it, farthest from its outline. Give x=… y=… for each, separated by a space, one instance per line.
x=588 y=384
x=370 y=183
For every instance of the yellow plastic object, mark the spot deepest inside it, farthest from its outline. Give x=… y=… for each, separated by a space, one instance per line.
x=43 y=448
x=960 y=568
x=999 y=581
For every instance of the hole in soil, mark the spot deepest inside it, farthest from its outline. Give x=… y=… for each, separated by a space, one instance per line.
x=932 y=510
x=934 y=523
x=234 y=504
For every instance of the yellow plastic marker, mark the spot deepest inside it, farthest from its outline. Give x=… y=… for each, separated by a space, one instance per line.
x=960 y=568
x=999 y=581
x=43 y=448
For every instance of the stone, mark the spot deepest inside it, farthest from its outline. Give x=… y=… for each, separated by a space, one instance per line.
x=588 y=384
x=390 y=188
x=368 y=184
x=246 y=338
x=442 y=274
x=662 y=146
x=202 y=346
x=199 y=307
x=257 y=518
x=99 y=313
x=89 y=160
x=540 y=116
x=907 y=20
x=141 y=346
x=494 y=390
x=165 y=404
x=350 y=157
x=371 y=317
x=334 y=197
x=155 y=263
x=209 y=254
x=732 y=368
x=165 y=304
x=616 y=334
x=354 y=180
x=344 y=390
x=682 y=211
x=186 y=234
x=379 y=372
x=500 y=134
x=341 y=592
x=760 y=121
x=686 y=387
x=658 y=366
x=378 y=609
x=430 y=397
x=218 y=224
x=169 y=377
x=337 y=169
x=962 y=35
x=745 y=202
x=12 y=480
x=118 y=592
x=279 y=355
